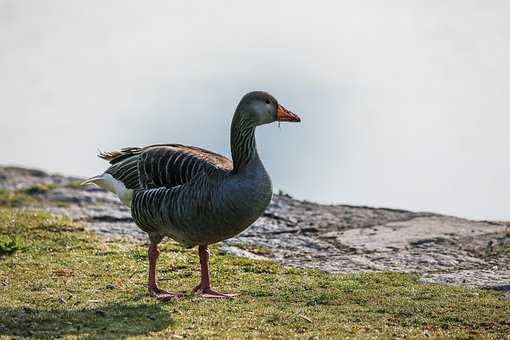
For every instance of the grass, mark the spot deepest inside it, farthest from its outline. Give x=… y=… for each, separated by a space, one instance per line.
x=76 y=184
x=31 y=196
x=39 y=189
x=255 y=249
x=9 y=245
x=67 y=282
x=15 y=198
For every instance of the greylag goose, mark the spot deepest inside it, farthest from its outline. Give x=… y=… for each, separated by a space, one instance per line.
x=195 y=196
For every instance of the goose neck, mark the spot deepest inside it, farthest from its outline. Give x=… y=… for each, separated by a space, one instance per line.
x=242 y=143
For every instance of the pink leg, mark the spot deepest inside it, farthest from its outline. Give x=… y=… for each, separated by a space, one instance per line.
x=205 y=281
x=154 y=290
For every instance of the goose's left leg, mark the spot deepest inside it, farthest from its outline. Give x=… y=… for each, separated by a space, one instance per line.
x=205 y=281
x=154 y=290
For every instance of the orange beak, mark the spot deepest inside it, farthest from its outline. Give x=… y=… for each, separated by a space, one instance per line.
x=284 y=115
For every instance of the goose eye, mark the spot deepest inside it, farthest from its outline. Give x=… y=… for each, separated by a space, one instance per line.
x=267 y=101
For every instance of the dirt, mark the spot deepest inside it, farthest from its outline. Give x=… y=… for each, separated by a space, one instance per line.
x=333 y=238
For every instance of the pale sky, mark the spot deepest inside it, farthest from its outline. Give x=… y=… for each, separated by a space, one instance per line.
x=405 y=104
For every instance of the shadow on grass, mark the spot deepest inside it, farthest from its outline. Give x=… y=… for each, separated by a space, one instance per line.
x=116 y=320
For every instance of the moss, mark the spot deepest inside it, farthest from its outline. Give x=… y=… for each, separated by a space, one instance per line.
x=255 y=249
x=75 y=185
x=497 y=247
x=15 y=198
x=39 y=189
x=9 y=245
x=68 y=282
x=59 y=203
x=31 y=196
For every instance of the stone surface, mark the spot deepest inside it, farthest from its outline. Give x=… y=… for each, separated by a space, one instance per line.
x=334 y=238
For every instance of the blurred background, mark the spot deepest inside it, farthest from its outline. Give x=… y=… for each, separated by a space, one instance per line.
x=404 y=103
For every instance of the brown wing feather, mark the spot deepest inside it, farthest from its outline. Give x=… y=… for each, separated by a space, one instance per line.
x=117 y=156
x=162 y=165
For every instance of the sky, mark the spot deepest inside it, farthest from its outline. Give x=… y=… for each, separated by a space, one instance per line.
x=404 y=104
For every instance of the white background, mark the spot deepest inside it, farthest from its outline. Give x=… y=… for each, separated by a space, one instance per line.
x=404 y=103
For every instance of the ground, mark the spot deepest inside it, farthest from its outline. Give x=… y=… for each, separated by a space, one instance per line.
x=341 y=271
x=61 y=280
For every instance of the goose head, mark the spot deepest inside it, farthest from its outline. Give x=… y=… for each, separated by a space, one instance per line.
x=258 y=108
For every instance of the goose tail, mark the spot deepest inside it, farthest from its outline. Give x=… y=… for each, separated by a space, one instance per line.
x=107 y=182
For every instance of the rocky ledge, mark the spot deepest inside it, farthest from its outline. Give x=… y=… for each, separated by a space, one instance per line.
x=333 y=238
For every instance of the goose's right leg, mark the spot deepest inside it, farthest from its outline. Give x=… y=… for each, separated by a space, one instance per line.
x=204 y=287
x=154 y=290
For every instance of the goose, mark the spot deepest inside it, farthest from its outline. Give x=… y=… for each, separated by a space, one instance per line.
x=194 y=196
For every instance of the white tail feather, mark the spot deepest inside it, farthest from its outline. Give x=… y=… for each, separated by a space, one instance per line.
x=91 y=180
x=107 y=182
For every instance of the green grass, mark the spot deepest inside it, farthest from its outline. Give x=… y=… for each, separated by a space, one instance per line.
x=39 y=189
x=67 y=282
x=258 y=250
x=15 y=198
x=76 y=184
x=31 y=196
x=9 y=245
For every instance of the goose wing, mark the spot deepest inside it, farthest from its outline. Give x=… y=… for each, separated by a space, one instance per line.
x=162 y=165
